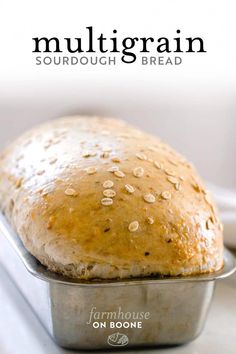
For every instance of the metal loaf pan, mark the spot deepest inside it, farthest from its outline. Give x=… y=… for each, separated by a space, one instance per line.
x=111 y=314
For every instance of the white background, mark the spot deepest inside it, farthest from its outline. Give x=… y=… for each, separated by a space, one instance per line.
x=192 y=106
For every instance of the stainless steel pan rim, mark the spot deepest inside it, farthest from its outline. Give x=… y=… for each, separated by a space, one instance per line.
x=38 y=270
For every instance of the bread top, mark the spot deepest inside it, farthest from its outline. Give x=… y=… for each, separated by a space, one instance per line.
x=96 y=198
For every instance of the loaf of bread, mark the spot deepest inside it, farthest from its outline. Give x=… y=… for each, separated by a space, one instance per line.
x=95 y=198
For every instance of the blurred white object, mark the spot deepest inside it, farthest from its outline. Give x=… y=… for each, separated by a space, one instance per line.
x=229 y=222
x=226 y=201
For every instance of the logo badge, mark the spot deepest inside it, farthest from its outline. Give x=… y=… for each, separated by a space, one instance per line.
x=117 y=339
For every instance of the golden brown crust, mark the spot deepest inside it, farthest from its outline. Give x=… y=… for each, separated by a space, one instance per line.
x=97 y=198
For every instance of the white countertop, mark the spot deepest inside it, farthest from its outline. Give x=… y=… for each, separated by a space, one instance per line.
x=21 y=332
